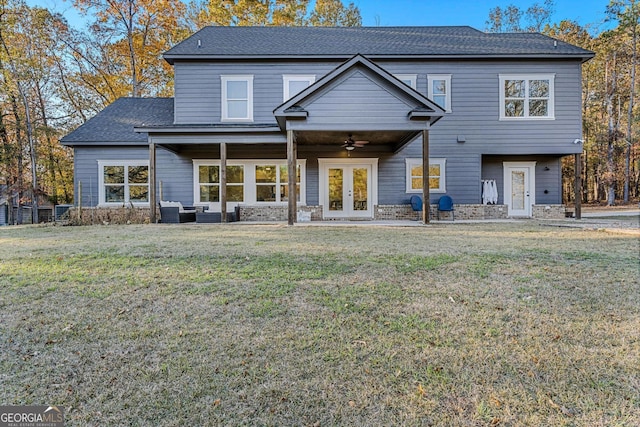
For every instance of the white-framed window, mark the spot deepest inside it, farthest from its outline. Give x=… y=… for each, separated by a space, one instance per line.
x=437 y=175
x=439 y=90
x=526 y=96
x=123 y=182
x=292 y=84
x=237 y=98
x=408 y=79
x=272 y=182
x=208 y=183
x=248 y=182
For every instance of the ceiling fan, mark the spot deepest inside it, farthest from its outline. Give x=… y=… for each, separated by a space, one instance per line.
x=350 y=144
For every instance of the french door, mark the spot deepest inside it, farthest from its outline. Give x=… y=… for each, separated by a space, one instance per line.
x=519 y=188
x=346 y=189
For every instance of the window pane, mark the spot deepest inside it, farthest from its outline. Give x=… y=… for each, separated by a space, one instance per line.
x=514 y=88
x=284 y=174
x=538 y=108
x=235 y=174
x=237 y=90
x=514 y=108
x=114 y=193
x=209 y=193
x=114 y=174
x=209 y=174
x=235 y=193
x=441 y=100
x=266 y=174
x=138 y=193
x=539 y=88
x=138 y=174
x=439 y=87
x=266 y=193
x=434 y=170
x=237 y=109
x=416 y=183
x=434 y=183
x=416 y=171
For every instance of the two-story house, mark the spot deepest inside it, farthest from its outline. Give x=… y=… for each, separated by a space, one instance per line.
x=356 y=119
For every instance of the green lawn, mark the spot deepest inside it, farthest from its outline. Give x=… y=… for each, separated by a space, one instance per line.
x=510 y=324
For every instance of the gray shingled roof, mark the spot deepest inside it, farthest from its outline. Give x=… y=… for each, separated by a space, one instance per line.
x=369 y=41
x=115 y=123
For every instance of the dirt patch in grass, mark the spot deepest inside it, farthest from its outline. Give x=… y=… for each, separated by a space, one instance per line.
x=480 y=324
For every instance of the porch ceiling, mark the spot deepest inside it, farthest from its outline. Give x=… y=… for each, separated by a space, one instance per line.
x=393 y=139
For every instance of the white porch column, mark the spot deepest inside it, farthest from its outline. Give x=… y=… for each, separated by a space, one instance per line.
x=426 y=204
x=152 y=182
x=291 y=167
x=223 y=181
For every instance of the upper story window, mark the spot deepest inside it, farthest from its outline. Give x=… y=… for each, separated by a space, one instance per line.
x=237 y=98
x=408 y=79
x=439 y=90
x=529 y=96
x=293 y=84
x=123 y=182
x=436 y=175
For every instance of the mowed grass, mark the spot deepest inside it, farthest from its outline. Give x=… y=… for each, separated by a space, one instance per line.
x=512 y=324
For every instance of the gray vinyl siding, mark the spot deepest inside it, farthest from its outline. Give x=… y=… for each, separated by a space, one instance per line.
x=86 y=168
x=475 y=101
x=198 y=87
x=475 y=113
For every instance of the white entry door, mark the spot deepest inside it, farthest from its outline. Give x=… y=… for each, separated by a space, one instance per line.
x=347 y=189
x=519 y=188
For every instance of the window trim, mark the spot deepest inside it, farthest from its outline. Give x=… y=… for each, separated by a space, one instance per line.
x=527 y=77
x=287 y=78
x=440 y=161
x=126 y=163
x=413 y=78
x=224 y=79
x=249 y=195
x=447 y=84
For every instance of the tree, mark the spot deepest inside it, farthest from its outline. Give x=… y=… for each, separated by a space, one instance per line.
x=627 y=13
x=273 y=12
x=132 y=35
x=28 y=46
x=332 y=13
x=510 y=18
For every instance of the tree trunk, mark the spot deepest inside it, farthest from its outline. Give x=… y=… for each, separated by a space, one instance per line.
x=629 y=142
x=20 y=166
x=610 y=181
x=32 y=155
x=51 y=162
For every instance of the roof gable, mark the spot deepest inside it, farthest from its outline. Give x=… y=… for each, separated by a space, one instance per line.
x=342 y=93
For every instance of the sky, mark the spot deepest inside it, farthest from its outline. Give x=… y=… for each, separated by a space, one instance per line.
x=425 y=12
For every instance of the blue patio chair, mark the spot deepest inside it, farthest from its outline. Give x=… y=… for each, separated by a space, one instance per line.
x=445 y=204
x=416 y=204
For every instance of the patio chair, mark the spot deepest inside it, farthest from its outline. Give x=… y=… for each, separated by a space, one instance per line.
x=416 y=205
x=175 y=213
x=445 y=204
